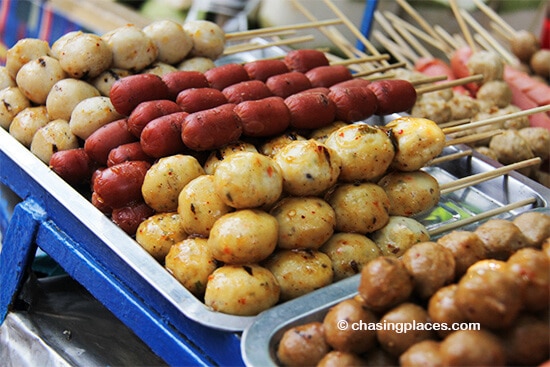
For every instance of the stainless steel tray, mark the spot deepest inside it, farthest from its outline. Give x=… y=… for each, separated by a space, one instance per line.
x=260 y=340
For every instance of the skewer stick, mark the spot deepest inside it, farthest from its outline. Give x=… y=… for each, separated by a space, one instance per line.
x=423 y=23
x=476 y=218
x=429 y=79
x=249 y=47
x=393 y=48
x=449 y=157
x=450 y=84
x=447 y=38
x=385 y=24
x=361 y=60
x=463 y=27
x=269 y=34
x=369 y=46
x=510 y=59
x=412 y=30
x=473 y=137
x=379 y=70
x=293 y=27
x=495 y=17
x=495 y=119
x=454 y=123
x=331 y=35
x=484 y=176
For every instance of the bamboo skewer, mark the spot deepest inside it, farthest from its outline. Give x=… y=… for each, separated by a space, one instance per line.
x=450 y=84
x=379 y=70
x=450 y=157
x=331 y=35
x=428 y=79
x=369 y=46
x=495 y=17
x=265 y=35
x=479 y=217
x=484 y=176
x=361 y=60
x=453 y=123
x=293 y=27
x=495 y=119
x=392 y=47
x=250 y=47
x=421 y=21
x=385 y=24
x=463 y=27
x=473 y=137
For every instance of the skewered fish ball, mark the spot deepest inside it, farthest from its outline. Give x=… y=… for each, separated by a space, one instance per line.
x=65 y=95
x=199 y=206
x=243 y=290
x=410 y=193
x=248 y=180
x=197 y=63
x=23 y=51
x=487 y=63
x=85 y=55
x=489 y=297
x=466 y=247
x=424 y=353
x=398 y=235
x=309 y=168
x=304 y=222
x=220 y=154
x=538 y=139
x=540 y=62
x=535 y=226
x=208 y=38
x=131 y=48
x=158 y=233
x=6 y=80
x=27 y=122
x=349 y=252
x=443 y=308
x=299 y=271
x=12 y=101
x=90 y=114
x=362 y=208
x=104 y=81
x=366 y=152
x=472 y=348
x=54 y=136
x=384 y=283
x=303 y=345
x=243 y=237
x=166 y=178
x=37 y=77
x=394 y=340
x=419 y=140
x=495 y=92
x=348 y=339
x=524 y=44
x=501 y=238
x=191 y=263
x=172 y=41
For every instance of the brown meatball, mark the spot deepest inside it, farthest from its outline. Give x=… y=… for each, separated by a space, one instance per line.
x=526 y=341
x=489 y=297
x=431 y=265
x=472 y=348
x=546 y=247
x=466 y=247
x=394 y=338
x=384 y=283
x=380 y=358
x=356 y=337
x=501 y=238
x=531 y=267
x=443 y=309
x=534 y=225
x=423 y=354
x=303 y=345
x=341 y=359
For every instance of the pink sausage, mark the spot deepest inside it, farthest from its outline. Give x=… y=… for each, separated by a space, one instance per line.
x=264 y=117
x=287 y=84
x=262 y=69
x=211 y=129
x=223 y=76
x=161 y=137
x=327 y=76
x=109 y=136
x=177 y=81
x=393 y=95
x=199 y=99
x=305 y=59
x=310 y=110
x=353 y=104
x=246 y=91
x=148 y=111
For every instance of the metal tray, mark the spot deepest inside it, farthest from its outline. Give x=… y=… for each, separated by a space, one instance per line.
x=259 y=341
